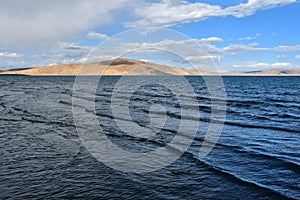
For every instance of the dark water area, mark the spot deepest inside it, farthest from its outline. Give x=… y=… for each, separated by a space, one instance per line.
x=256 y=157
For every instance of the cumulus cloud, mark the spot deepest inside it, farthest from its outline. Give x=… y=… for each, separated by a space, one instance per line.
x=179 y=11
x=31 y=22
x=174 y=12
x=94 y=35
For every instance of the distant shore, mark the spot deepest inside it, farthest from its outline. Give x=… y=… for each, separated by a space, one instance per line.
x=128 y=67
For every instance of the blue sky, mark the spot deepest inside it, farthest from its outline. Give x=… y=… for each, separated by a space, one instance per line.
x=237 y=35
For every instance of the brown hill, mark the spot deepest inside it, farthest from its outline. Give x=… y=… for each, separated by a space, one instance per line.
x=122 y=66
x=119 y=66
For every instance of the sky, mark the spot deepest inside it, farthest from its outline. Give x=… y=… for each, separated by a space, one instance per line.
x=234 y=35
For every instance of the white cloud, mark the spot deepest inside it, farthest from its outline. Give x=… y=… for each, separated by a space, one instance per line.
x=11 y=59
x=10 y=55
x=250 y=38
x=211 y=40
x=282 y=64
x=94 y=35
x=234 y=49
x=207 y=52
x=32 y=22
x=252 y=6
x=251 y=65
x=174 y=12
x=71 y=46
x=262 y=65
x=297 y=56
x=204 y=58
x=60 y=53
x=169 y=13
x=287 y=48
x=75 y=53
x=181 y=47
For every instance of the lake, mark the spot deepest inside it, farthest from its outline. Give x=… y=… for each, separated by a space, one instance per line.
x=257 y=155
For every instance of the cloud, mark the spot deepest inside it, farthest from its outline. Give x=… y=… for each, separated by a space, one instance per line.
x=282 y=64
x=250 y=38
x=179 y=11
x=262 y=65
x=181 y=47
x=251 y=65
x=120 y=46
x=11 y=59
x=33 y=22
x=238 y=48
x=211 y=40
x=70 y=46
x=208 y=50
x=287 y=48
x=174 y=12
x=297 y=56
x=10 y=55
x=60 y=53
x=94 y=35
x=234 y=49
x=204 y=58
x=252 y=6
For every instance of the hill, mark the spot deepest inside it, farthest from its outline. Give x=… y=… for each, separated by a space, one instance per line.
x=119 y=66
x=122 y=66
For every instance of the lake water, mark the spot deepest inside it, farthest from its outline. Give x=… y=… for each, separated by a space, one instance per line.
x=256 y=157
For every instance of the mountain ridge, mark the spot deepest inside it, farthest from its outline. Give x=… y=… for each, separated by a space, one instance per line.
x=123 y=66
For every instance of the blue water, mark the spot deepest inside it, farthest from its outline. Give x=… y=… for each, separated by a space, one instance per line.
x=256 y=157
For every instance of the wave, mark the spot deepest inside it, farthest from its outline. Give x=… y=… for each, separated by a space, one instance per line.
x=66 y=103
x=240 y=103
x=47 y=122
x=284 y=161
x=198 y=118
x=235 y=178
x=260 y=126
x=232 y=123
x=290 y=165
x=10 y=119
x=284 y=115
x=268 y=99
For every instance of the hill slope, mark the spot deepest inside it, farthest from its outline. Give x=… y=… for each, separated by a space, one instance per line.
x=118 y=66
x=122 y=66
